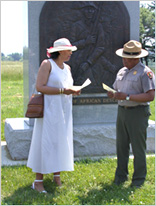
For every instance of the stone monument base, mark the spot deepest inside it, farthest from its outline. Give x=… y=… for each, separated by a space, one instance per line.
x=90 y=140
x=100 y=139
x=18 y=136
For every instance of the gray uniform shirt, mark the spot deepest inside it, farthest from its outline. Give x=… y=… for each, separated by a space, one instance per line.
x=137 y=80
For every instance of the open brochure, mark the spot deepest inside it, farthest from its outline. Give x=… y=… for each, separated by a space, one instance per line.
x=108 y=88
x=85 y=84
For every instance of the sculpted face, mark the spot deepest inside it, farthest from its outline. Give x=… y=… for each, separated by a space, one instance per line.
x=89 y=12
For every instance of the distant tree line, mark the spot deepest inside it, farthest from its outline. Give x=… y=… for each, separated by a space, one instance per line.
x=12 y=57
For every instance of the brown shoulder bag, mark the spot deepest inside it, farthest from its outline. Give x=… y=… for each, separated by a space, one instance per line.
x=35 y=106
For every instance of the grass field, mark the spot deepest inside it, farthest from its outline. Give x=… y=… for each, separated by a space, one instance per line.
x=11 y=92
x=90 y=184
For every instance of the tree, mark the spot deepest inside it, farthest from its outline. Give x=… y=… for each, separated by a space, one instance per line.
x=16 y=56
x=2 y=56
x=12 y=57
x=9 y=58
x=152 y=6
x=147 y=29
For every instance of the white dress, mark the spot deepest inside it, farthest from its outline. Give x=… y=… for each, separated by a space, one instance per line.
x=51 y=147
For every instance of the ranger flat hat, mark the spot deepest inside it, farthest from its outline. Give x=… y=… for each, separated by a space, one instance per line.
x=132 y=49
x=60 y=45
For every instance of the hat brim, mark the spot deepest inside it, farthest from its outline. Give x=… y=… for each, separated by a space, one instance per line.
x=120 y=53
x=62 y=48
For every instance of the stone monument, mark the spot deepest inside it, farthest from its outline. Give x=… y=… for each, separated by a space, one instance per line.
x=98 y=29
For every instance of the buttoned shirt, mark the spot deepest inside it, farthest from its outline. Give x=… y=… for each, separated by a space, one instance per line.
x=139 y=79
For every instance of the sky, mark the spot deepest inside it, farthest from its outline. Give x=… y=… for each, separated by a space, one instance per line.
x=14 y=26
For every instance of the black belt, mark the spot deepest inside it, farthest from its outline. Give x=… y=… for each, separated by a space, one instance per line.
x=127 y=107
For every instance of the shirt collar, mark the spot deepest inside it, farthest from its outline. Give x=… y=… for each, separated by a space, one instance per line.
x=136 y=67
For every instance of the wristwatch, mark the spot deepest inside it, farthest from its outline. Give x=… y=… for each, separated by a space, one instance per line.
x=128 y=97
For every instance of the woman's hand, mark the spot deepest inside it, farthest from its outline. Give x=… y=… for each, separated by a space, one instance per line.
x=71 y=91
x=77 y=93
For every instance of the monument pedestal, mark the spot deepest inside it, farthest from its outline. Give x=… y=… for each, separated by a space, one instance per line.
x=94 y=133
x=18 y=136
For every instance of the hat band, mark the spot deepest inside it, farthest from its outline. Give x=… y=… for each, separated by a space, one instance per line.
x=132 y=53
x=61 y=46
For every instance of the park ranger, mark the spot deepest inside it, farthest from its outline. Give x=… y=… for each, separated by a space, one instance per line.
x=135 y=86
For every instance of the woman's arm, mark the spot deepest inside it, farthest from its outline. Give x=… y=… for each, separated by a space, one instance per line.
x=42 y=79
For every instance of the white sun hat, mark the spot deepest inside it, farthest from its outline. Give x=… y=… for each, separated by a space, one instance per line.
x=60 y=45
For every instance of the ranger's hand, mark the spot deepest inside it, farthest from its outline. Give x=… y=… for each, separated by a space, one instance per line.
x=110 y=94
x=120 y=95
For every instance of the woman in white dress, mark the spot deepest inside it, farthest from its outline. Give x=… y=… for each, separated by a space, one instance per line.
x=51 y=149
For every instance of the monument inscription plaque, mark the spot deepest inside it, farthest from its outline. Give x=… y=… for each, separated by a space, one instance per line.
x=92 y=100
x=97 y=28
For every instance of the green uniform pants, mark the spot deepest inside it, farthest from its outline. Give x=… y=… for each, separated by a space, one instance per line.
x=132 y=125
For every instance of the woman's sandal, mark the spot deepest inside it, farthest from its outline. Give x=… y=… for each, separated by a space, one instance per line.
x=33 y=186
x=55 y=181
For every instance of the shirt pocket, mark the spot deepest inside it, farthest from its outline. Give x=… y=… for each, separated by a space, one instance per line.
x=133 y=78
x=133 y=82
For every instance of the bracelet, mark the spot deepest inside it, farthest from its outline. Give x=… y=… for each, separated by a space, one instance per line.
x=61 y=91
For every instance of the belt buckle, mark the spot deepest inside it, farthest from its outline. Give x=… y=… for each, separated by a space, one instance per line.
x=126 y=107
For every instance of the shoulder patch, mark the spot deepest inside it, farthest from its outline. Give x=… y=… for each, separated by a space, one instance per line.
x=150 y=75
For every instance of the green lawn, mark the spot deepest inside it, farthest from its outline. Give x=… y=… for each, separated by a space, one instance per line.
x=90 y=184
x=152 y=107
x=11 y=92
